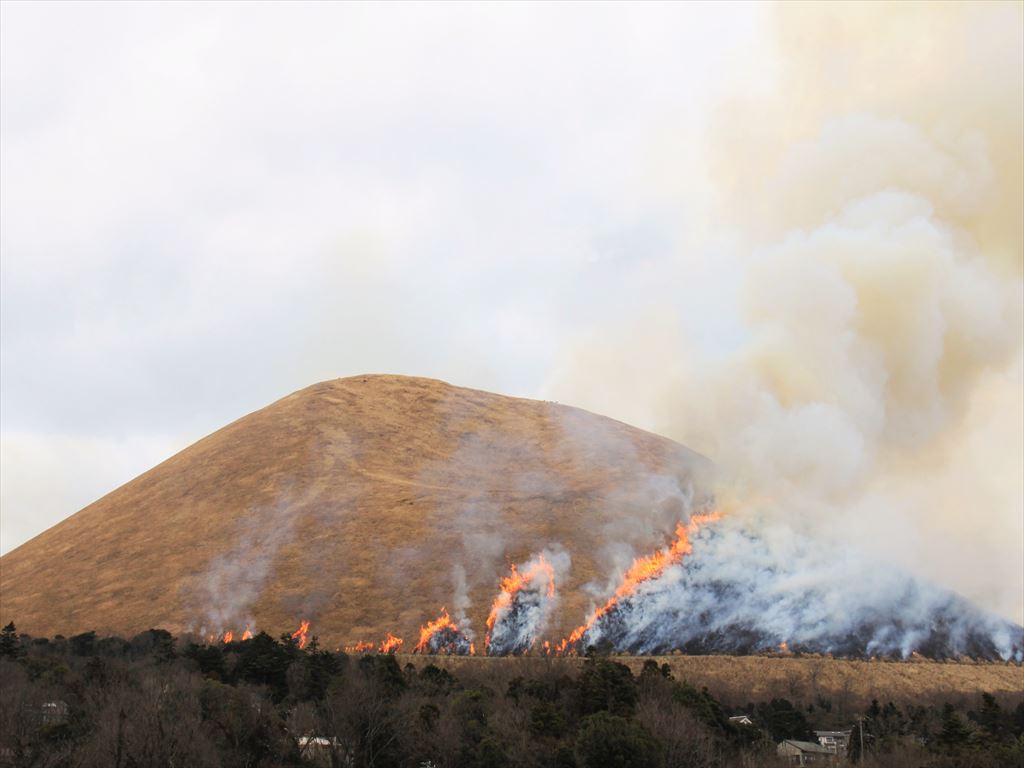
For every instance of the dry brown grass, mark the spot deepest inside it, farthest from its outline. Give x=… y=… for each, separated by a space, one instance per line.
x=359 y=492
x=740 y=679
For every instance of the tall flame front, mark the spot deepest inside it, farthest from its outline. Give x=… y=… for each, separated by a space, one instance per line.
x=643 y=569
x=442 y=635
x=390 y=644
x=520 y=611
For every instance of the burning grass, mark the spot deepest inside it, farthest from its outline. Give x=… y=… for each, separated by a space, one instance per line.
x=521 y=610
x=638 y=616
x=643 y=569
x=442 y=636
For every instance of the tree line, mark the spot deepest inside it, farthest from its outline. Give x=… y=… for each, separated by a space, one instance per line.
x=156 y=701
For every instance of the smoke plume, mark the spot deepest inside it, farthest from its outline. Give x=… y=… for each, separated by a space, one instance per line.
x=226 y=591
x=870 y=407
x=741 y=593
x=461 y=601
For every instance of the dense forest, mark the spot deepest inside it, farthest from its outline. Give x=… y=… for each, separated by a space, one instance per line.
x=156 y=700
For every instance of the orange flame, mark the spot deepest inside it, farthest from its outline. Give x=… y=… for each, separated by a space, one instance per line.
x=514 y=583
x=428 y=630
x=359 y=647
x=300 y=634
x=644 y=569
x=247 y=635
x=228 y=635
x=390 y=644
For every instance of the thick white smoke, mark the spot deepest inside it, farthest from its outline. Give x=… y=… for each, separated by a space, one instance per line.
x=872 y=403
x=528 y=600
x=743 y=592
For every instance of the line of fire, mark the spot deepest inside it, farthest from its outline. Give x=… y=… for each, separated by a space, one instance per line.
x=520 y=612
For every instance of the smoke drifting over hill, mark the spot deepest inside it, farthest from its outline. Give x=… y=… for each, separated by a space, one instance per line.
x=872 y=401
x=225 y=592
x=855 y=216
x=734 y=594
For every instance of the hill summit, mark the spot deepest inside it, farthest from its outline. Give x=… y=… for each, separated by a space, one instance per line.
x=363 y=505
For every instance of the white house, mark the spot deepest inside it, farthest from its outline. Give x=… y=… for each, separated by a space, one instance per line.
x=836 y=742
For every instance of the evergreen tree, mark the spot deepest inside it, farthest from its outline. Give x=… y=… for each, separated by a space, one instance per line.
x=705 y=707
x=83 y=644
x=858 y=736
x=784 y=721
x=10 y=643
x=489 y=754
x=608 y=741
x=158 y=643
x=990 y=716
x=955 y=735
x=384 y=670
x=546 y=720
x=1017 y=721
x=606 y=686
x=435 y=681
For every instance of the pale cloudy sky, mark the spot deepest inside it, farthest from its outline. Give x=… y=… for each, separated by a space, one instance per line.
x=788 y=236
x=208 y=206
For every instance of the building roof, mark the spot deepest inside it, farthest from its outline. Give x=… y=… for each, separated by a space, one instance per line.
x=319 y=741
x=805 y=746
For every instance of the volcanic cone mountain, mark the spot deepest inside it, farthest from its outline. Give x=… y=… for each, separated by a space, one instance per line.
x=362 y=504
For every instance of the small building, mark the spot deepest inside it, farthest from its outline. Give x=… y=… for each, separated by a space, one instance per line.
x=319 y=750
x=804 y=753
x=741 y=720
x=836 y=742
x=45 y=713
x=52 y=712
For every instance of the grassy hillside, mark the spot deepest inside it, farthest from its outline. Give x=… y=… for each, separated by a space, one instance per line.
x=350 y=503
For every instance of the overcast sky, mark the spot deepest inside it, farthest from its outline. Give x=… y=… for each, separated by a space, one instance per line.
x=205 y=207
x=208 y=206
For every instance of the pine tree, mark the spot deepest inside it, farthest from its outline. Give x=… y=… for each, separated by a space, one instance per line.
x=10 y=643
x=990 y=716
x=955 y=735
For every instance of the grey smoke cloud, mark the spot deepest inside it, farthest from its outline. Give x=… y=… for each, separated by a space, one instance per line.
x=640 y=500
x=874 y=396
